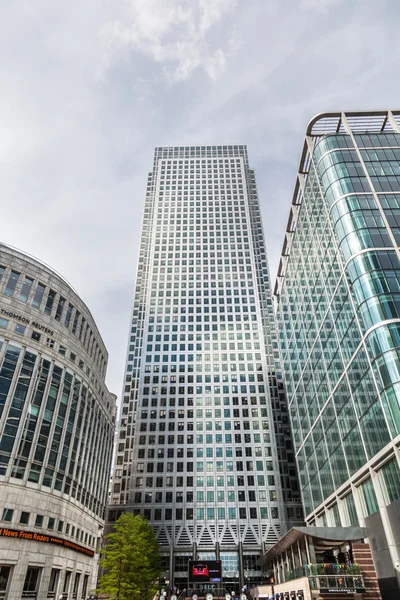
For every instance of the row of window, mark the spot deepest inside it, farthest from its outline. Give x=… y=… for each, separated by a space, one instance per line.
x=201 y=496
x=51 y=343
x=207 y=426
x=208 y=401
x=208 y=452
x=64 y=437
x=389 y=482
x=208 y=466
x=200 y=378
x=10 y=515
x=201 y=481
x=208 y=414
x=209 y=513
x=53 y=304
x=32 y=582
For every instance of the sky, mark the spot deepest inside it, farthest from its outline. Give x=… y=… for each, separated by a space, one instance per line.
x=90 y=87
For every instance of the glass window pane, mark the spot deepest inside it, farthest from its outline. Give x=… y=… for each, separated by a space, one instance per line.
x=369 y=497
x=390 y=481
x=11 y=283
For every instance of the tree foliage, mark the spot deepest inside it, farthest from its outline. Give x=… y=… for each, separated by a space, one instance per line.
x=130 y=560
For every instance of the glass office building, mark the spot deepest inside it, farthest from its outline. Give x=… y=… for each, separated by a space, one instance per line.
x=204 y=449
x=338 y=310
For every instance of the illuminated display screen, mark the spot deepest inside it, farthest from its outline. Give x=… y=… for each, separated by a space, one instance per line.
x=33 y=536
x=205 y=571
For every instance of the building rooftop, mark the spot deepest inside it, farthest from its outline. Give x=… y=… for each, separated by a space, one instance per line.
x=355 y=122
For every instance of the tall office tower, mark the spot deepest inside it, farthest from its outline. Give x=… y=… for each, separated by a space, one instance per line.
x=197 y=453
x=338 y=309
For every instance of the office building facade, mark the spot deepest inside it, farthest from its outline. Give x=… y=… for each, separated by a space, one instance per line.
x=57 y=422
x=204 y=449
x=338 y=312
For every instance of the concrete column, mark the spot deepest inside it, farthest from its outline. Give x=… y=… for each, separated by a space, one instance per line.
x=171 y=565
x=241 y=566
x=385 y=519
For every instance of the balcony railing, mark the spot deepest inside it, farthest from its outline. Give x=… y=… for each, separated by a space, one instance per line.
x=330 y=576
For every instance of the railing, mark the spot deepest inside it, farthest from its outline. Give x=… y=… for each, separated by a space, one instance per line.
x=330 y=576
x=333 y=569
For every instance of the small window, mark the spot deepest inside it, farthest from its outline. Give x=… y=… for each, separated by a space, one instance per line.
x=39 y=521
x=4 y=571
x=62 y=350
x=60 y=526
x=32 y=580
x=35 y=336
x=12 y=283
x=24 y=518
x=53 y=583
x=7 y=514
x=51 y=523
x=3 y=323
x=20 y=329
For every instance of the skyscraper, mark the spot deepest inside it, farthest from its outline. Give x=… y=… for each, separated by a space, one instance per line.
x=204 y=449
x=338 y=309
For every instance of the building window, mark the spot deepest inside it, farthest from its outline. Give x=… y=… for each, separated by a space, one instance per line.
x=24 y=518
x=53 y=583
x=4 y=579
x=39 y=521
x=7 y=515
x=37 y=298
x=11 y=283
x=390 y=481
x=84 y=586
x=351 y=509
x=369 y=498
x=76 y=585
x=67 y=581
x=3 y=323
x=31 y=583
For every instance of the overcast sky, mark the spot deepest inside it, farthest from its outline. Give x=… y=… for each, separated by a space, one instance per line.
x=90 y=87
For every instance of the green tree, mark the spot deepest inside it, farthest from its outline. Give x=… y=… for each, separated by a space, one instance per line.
x=130 y=560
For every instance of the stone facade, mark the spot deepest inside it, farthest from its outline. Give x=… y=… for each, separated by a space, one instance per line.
x=56 y=434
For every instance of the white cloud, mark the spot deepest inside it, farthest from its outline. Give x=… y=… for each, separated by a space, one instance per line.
x=320 y=5
x=177 y=34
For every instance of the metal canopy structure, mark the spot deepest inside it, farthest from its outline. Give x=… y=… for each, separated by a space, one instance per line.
x=338 y=535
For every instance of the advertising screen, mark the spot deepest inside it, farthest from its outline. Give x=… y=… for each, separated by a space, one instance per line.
x=205 y=571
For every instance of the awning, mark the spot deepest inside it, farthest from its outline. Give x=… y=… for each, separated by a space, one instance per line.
x=333 y=534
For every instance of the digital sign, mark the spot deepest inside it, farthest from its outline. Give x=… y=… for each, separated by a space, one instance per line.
x=205 y=571
x=45 y=539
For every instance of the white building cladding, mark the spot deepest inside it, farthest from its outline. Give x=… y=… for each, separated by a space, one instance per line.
x=56 y=434
x=197 y=453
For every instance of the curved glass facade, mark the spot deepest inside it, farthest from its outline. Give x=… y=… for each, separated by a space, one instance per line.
x=338 y=311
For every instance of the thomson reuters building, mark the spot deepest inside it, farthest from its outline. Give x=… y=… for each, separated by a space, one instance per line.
x=56 y=434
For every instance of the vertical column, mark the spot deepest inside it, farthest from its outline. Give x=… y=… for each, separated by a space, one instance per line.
x=241 y=566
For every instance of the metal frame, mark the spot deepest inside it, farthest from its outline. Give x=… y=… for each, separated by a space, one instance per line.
x=351 y=122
